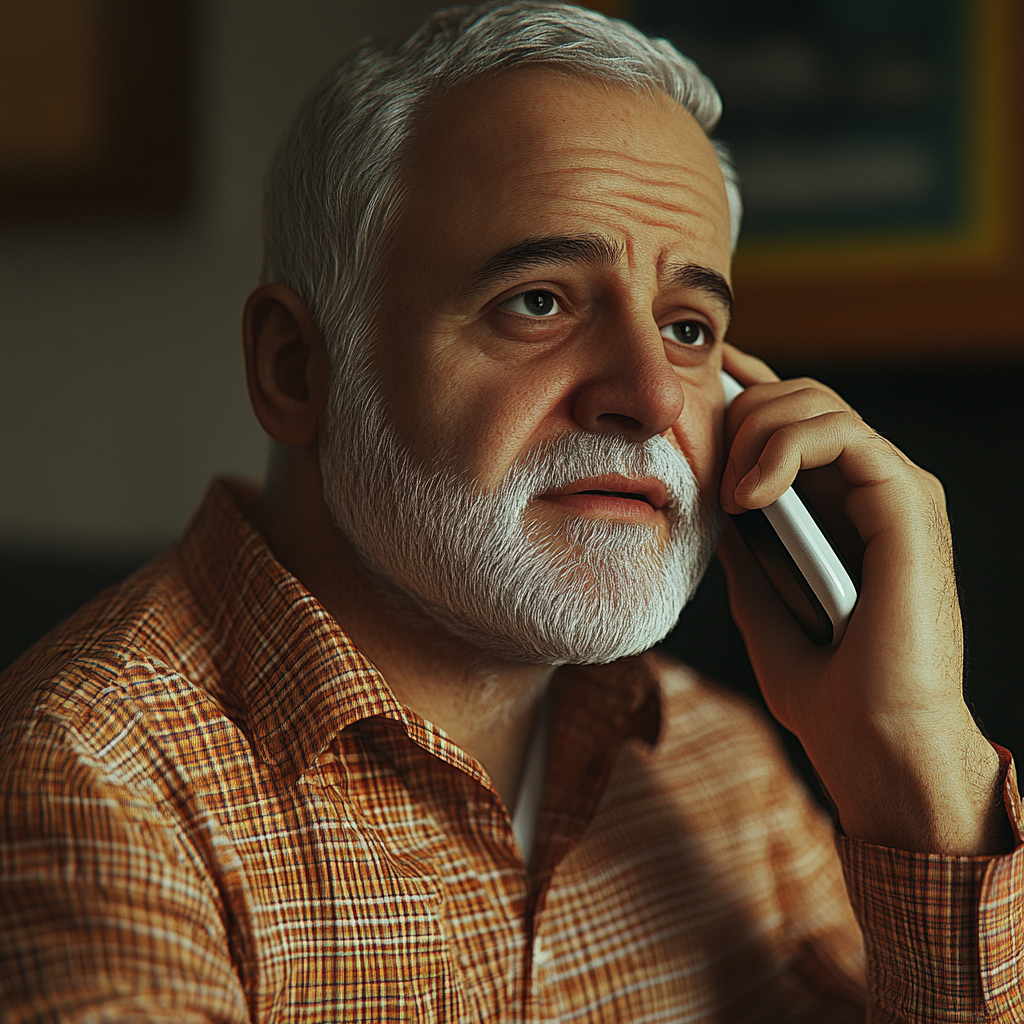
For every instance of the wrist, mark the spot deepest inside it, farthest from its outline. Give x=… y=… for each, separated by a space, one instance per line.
x=923 y=791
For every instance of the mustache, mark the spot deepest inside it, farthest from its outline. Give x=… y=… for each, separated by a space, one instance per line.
x=575 y=455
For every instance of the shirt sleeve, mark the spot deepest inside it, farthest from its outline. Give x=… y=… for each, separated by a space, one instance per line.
x=944 y=935
x=102 y=917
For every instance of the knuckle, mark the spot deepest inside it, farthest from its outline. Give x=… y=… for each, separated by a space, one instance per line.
x=934 y=485
x=783 y=445
x=809 y=384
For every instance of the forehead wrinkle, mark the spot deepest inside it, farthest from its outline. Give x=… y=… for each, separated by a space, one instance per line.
x=622 y=157
x=657 y=194
x=658 y=204
x=614 y=172
x=614 y=159
x=650 y=188
x=632 y=214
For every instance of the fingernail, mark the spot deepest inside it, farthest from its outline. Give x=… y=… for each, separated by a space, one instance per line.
x=746 y=487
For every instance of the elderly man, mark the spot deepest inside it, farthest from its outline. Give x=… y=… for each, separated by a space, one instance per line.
x=379 y=742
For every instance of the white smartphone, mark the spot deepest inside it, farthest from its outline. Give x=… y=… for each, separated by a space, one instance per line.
x=799 y=559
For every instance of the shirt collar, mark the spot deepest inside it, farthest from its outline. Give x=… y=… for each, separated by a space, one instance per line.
x=285 y=667
x=290 y=676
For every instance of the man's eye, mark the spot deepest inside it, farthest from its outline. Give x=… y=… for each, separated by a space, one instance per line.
x=691 y=333
x=533 y=304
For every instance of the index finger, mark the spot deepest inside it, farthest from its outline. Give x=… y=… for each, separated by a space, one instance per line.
x=747 y=369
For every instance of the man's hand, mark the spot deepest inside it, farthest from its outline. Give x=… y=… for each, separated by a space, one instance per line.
x=881 y=715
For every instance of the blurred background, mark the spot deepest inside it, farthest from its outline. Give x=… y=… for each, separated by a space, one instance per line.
x=879 y=147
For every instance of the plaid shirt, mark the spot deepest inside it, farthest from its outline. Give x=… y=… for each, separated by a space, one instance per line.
x=214 y=809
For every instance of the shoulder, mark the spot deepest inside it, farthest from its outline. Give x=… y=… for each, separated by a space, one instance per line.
x=112 y=663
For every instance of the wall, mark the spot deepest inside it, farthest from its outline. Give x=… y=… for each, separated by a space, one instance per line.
x=122 y=387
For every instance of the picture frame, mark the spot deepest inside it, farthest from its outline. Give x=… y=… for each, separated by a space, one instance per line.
x=95 y=109
x=896 y=283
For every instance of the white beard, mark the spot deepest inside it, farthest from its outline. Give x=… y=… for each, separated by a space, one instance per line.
x=589 y=591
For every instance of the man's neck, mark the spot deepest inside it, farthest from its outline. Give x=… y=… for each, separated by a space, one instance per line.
x=487 y=705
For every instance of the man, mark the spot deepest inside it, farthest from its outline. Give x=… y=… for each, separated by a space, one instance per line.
x=374 y=743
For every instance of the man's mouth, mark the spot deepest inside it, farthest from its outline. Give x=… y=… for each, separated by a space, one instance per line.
x=621 y=494
x=612 y=496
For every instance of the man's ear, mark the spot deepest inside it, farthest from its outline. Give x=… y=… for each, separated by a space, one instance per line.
x=286 y=365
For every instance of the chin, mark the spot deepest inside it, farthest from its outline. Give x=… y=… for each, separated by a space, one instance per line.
x=567 y=609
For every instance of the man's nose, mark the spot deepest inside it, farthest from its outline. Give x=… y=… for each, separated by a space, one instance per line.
x=630 y=387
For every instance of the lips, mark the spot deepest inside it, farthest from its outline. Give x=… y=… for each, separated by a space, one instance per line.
x=647 y=490
x=621 y=494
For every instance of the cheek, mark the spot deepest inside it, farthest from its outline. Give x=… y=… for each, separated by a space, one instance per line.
x=700 y=434
x=495 y=418
x=496 y=409
x=480 y=414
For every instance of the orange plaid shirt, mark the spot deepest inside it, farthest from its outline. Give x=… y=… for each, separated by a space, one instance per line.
x=214 y=809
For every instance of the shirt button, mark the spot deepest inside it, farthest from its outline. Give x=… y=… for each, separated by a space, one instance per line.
x=541 y=954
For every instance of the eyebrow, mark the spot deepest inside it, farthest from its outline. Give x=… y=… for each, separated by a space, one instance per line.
x=553 y=250
x=701 y=279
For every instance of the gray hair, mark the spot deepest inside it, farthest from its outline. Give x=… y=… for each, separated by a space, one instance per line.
x=335 y=187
